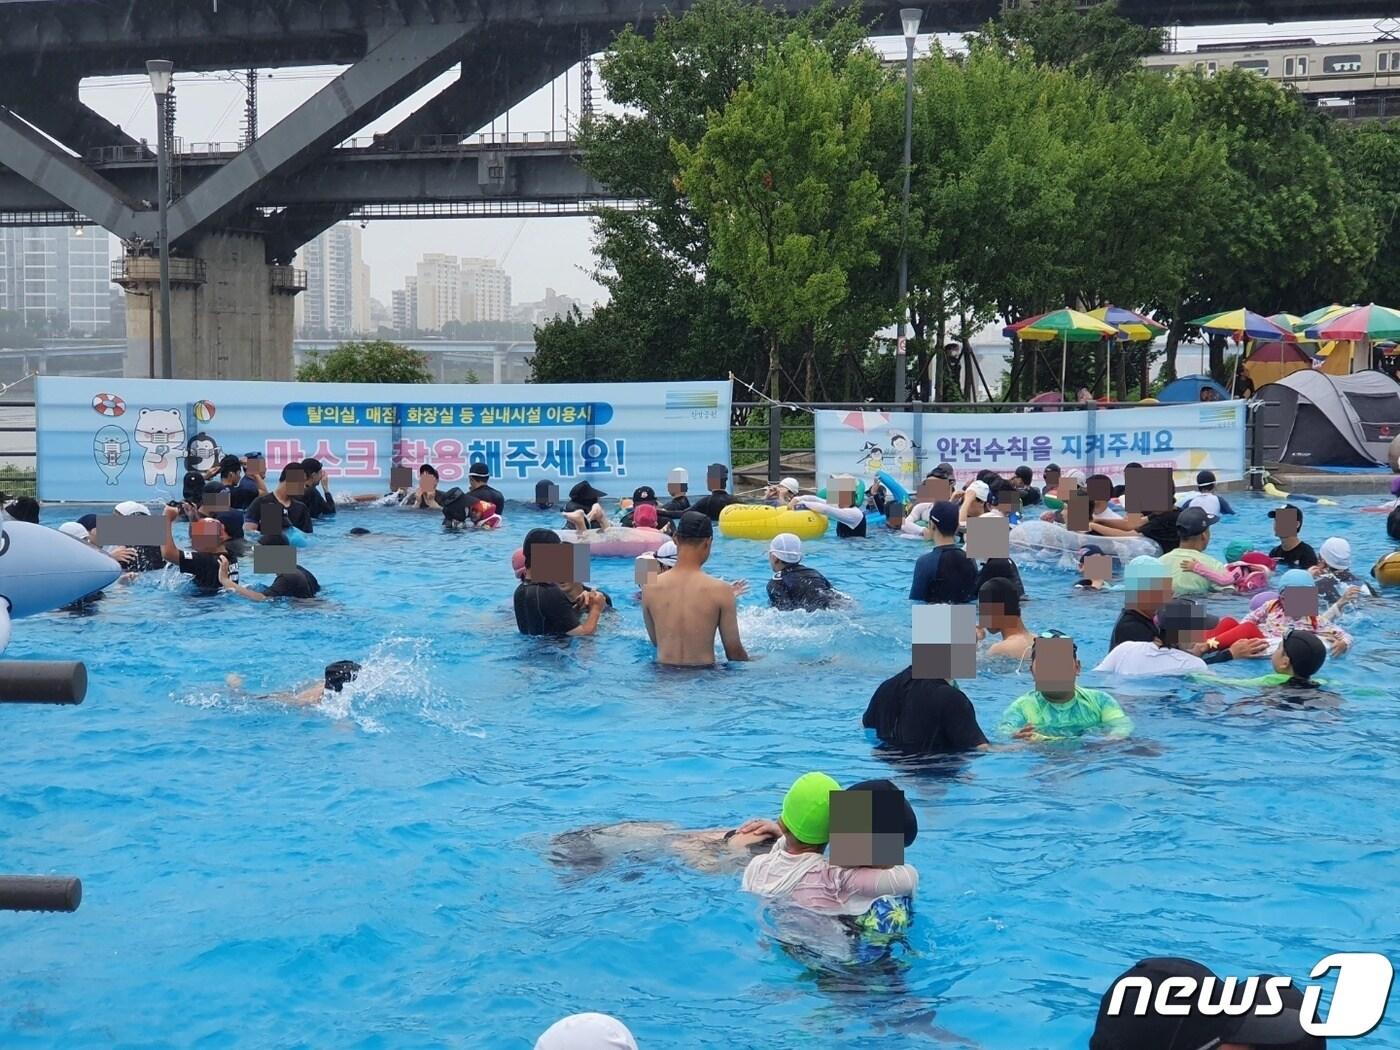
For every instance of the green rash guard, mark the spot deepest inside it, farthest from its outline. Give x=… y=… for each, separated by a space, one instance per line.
x=1263 y=681
x=1090 y=709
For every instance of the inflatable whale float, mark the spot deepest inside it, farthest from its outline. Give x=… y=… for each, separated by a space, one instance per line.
x=42 y=569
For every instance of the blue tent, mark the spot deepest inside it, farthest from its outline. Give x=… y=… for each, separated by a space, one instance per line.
x=1188 y=388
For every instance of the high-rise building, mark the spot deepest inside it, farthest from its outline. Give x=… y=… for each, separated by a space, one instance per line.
x=551 y=306
x=404 y=306
x=485 y=291
x=57 y=275
x=439 y=288
x=336 y=300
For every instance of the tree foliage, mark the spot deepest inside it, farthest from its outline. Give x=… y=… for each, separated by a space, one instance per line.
x=377 y=361
x=1061 y=34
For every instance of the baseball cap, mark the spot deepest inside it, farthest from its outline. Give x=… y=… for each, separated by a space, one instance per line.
x=586 y=1032
x=666 y=554
x=807 y=808
x=479 y=470
x=1305 y=651
x=644 y=515
x=643 y=494
x=694 y=526
x=72 y=528
x=1194 y=1030
x=1296 y=578
x=1205 y=477
x=786 y=547
x=1336 y=552
x=791 y=485
x=944 y=515
x=980 y=490
x=1193 y=521
x=584 y=492
x=128 y=507
x=1182 y=614
x=1287 y=506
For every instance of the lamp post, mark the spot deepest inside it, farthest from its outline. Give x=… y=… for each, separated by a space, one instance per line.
x=910 y=17
x=161 y=71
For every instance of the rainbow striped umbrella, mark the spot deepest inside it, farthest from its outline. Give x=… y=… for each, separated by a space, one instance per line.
x=1245 y=323
x=1066 y=325
x=1130 y=323
x=1321 y=315
x=1365 y=324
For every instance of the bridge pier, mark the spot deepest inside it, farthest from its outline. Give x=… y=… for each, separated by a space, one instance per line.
x=231 y=311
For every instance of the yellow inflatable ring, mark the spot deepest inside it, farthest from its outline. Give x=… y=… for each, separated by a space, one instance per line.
x=1387 y=570
x=747 y=521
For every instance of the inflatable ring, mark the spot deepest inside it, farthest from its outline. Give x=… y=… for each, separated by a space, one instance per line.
x=1270 y=489
x=1056 y=539
x=894 y=488
x=1387 y=570
x=620 y=541
x=748 y=521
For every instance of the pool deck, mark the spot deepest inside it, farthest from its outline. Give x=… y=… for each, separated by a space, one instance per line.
x=1323 y=483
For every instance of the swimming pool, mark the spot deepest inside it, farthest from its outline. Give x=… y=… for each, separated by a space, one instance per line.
x=376 y=876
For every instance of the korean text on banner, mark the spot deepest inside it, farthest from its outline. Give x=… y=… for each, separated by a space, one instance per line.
x=1186 y=438
x=116 y=439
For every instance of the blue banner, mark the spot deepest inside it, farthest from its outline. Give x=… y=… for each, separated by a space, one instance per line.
x=906 y=445
x=115 y=439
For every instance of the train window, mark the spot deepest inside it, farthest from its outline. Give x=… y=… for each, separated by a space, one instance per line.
x=1341 y=63
x=1288 y=67
x=1302 y=65
x=1383 y=61
x=1254 y=65
x=1208 y=68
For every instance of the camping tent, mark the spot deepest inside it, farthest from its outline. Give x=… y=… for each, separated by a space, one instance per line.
x=1188 y=388
x=1271 y=362
x=1312 y=419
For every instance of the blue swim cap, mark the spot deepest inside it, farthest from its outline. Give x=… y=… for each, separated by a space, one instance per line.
x=1143 y=568
x=1296 y=578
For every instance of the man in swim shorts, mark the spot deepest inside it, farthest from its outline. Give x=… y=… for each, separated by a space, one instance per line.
x=684 y=607
x=542 y=608
x=923 y=716
x=1059 y=707
x=794 y=585
x=999 y=612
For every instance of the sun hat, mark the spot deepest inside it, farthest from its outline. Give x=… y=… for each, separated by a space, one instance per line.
x=807 y=808
x=786 y=547
x=1336 y=552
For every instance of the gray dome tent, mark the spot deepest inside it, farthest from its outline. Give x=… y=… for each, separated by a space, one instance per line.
x=1313 y=419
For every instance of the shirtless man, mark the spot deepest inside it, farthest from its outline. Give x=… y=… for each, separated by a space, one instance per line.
x=684 y=607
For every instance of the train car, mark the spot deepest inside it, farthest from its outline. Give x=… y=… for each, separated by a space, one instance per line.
x=1314 y=69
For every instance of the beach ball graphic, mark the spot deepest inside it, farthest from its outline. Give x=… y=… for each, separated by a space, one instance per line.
x=108 y=405
x=204 y=411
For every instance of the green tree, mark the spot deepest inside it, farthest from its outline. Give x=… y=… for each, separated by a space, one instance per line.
x=1061 y=33
x=1370 y=156
x=378 y=361
x=783 y=179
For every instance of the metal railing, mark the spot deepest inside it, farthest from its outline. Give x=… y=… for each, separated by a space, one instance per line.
x=286 y=279
x=452 y=142
x=142 y=268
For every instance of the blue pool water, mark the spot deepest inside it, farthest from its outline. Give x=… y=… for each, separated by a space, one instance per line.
x=376 y=875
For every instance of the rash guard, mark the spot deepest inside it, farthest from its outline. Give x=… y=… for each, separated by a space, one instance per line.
x=1089 y=709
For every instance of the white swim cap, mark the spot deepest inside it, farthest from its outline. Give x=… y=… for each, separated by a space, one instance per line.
x=791 y=485
x=678 y=476
x=587 y=1032
x=786 y=547
x=979 y=490
x=1336 y=552
x=666 y=554
x=129 y=507
x=72 y=528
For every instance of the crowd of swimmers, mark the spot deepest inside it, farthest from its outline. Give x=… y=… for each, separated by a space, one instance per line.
x=1292 y=601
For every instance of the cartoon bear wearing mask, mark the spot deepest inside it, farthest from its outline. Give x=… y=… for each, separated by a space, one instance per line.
x=161 y=432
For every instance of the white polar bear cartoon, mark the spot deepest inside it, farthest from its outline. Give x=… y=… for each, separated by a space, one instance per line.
x=161 y=432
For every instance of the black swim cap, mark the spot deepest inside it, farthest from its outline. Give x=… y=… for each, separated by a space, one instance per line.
x=910 y=821
x=339 y=673
x=694 y=526
x=359 y=530
x=1000 y=591
x=1305 y=651
x=535 y=536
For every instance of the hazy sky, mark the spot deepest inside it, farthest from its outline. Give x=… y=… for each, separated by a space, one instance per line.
x=543 y=252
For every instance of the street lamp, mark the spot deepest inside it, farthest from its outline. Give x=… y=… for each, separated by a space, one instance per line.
x=909 y=17
x=161 y=71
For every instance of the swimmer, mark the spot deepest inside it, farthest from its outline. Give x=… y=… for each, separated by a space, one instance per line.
x=1193 y=571
x=586 y=1031
x=25 y=508
x=299 y=583
x=478 y=488
x=1274 y=621
x=319 y=501
x=461 y=511
x=677 y=487
x=338 y=675
x=781 y=494
x=281 y=501
x=999 y=612
x=976 y=501
x=545 y=608
x=642 y=496
x=796 y=586
x=665 y=557
x=1000 y=569
x=684 y=608
x=945 y=575
x=923 y=716
x=1182 y=627
x=850 y=519
x=1333 y=571
x=1298 y=657
x=210 y=559
x=1086 y=552
x=717 y=477
x=1291 y=550
x=711 y=850
x=1147 y=587
x=424 y=497
x=1059 y=707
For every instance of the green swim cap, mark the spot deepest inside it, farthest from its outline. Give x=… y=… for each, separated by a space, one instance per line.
x=807 y=808
x=1237 y=550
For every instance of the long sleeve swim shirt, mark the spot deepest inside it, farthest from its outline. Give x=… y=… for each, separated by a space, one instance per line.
x=810 y=881
x=1090 y=709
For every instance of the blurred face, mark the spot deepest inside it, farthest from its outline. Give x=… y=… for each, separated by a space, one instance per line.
x=428 y=482
x=1280 y=661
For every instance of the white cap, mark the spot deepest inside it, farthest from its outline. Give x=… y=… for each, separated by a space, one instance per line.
x=786 y=547
x=129 y=507
x=1336 y=552
x=678 y=476
x=979 y=490
x=587 y=1032
x=72 y=528
x=1072 y=474
x=666 y=554
x=791 y=485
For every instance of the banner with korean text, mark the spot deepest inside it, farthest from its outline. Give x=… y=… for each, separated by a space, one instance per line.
x=907 y=445
x=115 y=439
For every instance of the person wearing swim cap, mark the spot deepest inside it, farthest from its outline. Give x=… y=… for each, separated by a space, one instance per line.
x=684 y=608
x=945 y=575
x=642 y=496
x=1275 y=621
x=586 y=1032
x=1059 y=707
x=850 y=519
x=677 y=487
x=1147 y=586
x=781 y=494
x=479 y=488
x=1299 y=656
x=543 y=608
x=717 y=477
x=999 y=613
x=796 y=870
x=923 y=716
x=794 y=585
x=209 y=560
x=337 y=676
x=1333 y=571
